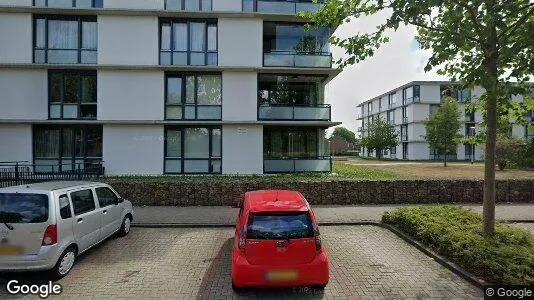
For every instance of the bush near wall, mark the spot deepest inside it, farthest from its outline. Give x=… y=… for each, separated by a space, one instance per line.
x=210 y=193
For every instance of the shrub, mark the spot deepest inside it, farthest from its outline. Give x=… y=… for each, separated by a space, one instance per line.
x=509 y=152
x=456 y=233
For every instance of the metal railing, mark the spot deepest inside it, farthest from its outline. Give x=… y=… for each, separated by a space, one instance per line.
x=297 y=164
x=22 y=172
x=281 y=7
x=297 y=59
x=320 y=112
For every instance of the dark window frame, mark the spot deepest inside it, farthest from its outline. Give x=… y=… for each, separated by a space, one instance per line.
x=77 y=213
x=267 y=131
x=183 y=104
x=79 y=74
x=182 y=158
x=79 y=49
x=183 y=6
x=94 y=4
x=206 y=52
x=69 y=206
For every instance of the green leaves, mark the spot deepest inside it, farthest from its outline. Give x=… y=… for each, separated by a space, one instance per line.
x=380 y=135
x=443 y=126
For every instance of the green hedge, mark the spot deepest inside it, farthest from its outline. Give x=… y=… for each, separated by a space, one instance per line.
x=456 y=233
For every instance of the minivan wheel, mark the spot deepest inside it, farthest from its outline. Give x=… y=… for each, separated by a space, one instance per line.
x=65 y=263
x=125 y=227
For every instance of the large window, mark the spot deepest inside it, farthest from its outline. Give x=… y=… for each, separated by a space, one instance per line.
x=69 y=3
x=188 y=42
x=72 y=94
x=65 y=40
x=290 y=90
x=67 y=148
x=410 y=94
x=193 y=150
x=189 y=5
x=286 y=142
x=193 y=97
x=456 y=92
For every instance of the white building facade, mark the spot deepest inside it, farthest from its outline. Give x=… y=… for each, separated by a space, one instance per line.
x=408 y=106
x=155 y=87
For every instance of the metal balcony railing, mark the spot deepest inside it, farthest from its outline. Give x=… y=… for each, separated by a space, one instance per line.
x=297 y=59
x=321 y=112
x=290 y=7
x=297 y=165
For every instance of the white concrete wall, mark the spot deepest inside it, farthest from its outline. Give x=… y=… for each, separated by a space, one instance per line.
x=16 y=2
x=15 y=38
x=23 y=94
x=132 y=149
x=240 y=96
x=16 y=142
x=130 y=95
x=417 y=151
x=242 y=149
x=416 y=132
x=240 y=42
x=227 y=5
x=430 y=93
x=418 y=112
x=398 y=116
x=135 y=4
x=130 y=40
x=518 y=130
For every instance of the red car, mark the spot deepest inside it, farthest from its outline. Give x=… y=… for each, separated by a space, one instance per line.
x=277 y=242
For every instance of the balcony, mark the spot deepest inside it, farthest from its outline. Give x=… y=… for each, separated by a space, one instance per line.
x=295 y=112
x=290 y=7
x=297 y=59
x=297 y=165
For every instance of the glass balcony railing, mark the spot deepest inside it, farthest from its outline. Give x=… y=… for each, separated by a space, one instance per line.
x=296 y=165
x=281 y=7
x=282 y=112
x=298 y=60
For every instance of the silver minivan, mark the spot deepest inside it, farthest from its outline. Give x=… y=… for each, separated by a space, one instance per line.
x=45 y=226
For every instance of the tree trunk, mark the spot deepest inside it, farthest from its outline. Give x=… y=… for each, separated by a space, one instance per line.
x=490 y=84
x=445 y=160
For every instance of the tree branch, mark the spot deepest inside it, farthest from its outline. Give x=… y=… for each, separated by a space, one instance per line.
x=516 y=25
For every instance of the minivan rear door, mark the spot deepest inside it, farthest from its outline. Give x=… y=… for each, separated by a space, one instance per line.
x=23 y=221
x=280 y=238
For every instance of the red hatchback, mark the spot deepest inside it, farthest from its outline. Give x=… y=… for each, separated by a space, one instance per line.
x=277 y=242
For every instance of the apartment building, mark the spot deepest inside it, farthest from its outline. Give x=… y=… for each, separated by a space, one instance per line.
x=163 y=86
x=408 y=106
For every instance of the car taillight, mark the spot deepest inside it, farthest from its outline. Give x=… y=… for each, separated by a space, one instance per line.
x=50 y=236
x=318 y=242
x=242 y=238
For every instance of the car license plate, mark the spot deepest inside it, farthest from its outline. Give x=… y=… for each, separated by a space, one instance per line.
x=10 y=250
x=281 y=275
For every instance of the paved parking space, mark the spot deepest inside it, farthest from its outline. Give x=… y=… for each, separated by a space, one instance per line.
x=368 y=262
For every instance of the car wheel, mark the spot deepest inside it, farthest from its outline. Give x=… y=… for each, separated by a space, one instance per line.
x=321 y=286
x=125 y=227
x=65 y=263
x=236 y=288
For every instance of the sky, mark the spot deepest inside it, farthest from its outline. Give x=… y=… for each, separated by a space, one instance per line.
x=396 y=63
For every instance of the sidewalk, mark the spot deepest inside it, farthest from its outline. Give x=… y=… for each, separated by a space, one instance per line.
x=225 y=215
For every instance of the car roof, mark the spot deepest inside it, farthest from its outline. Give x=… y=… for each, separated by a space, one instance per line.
x=275 y=201
x=49 y=186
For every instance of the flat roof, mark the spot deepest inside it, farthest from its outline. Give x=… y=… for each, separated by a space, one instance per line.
x=276 y=201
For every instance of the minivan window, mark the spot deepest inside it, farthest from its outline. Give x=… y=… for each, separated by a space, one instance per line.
x=105 y=196
x=64 y=207
x=279 y=226
x=23 y=208
x=82 y=201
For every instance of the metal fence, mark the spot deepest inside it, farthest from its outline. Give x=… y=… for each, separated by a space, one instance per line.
x=16 y=173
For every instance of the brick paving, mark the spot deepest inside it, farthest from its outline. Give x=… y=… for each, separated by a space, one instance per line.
x=367 y=262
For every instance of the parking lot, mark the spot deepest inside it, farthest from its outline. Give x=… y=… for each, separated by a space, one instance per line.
x=194 y=263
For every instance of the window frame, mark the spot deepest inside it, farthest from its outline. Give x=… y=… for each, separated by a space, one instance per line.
x=267 y=136
x=106 y=204
x=79 y=74
x=182 y=157
x=183 y=6
x=172 y=21
x=79 y=49
x=74 y=4
x=69 y=206
x=92 y=197
x=183 y=104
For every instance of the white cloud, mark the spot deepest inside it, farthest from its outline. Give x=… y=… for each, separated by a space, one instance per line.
x=396 y=63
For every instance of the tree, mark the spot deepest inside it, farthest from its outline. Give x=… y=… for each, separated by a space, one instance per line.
x=478 y=42
x=380 y=136
x=345 y=134
x=442 y=128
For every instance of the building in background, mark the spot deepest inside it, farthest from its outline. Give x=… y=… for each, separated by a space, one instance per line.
x=408 y=106
x=163 y=86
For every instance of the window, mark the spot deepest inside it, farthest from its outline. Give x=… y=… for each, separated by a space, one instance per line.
x=291 y=142
x=404 y=115
x=279 y=226
x=391 y=117
x=64 y=207
x=404 y=150
x=189 y=5
x=67 y=148
x=404 y=132
x=23 y=208
x=106 y=196
x=193 y=150
x=188 y=42
x=69 y=3
x=82 y=201
x=392 y=100
x=65 y=40
x=289 y=90
x=370 y=107
x=379 y=104
x=393 y=150
x=72 y=95
x=193 y=97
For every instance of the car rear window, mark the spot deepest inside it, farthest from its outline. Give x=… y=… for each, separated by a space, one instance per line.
x=279 y=226
x=23 y=208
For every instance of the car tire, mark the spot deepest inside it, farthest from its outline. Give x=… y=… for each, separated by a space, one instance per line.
x=321 y=286
x=65 y=263
x=236 y=288
x=125 y=226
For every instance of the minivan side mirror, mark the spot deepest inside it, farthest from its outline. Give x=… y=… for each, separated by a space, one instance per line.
x=118 y=200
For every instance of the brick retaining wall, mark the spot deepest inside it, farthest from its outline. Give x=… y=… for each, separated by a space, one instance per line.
x=185 y=193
